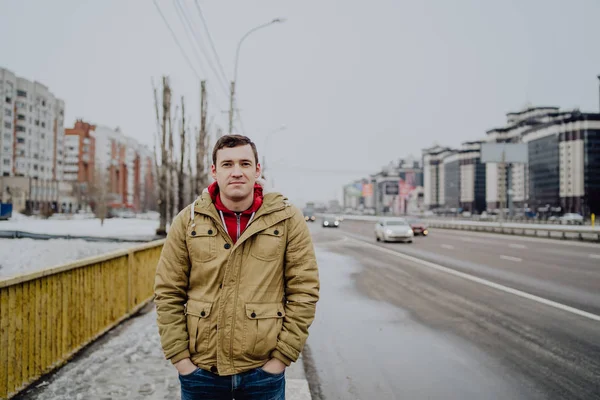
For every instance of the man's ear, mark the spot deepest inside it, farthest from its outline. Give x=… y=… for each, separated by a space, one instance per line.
x=213 y=171
x=258 y=170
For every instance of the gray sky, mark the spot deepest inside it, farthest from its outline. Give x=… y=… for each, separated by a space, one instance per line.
x=357 y=83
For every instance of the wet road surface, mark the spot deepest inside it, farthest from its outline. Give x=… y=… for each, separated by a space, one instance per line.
x=390 y=326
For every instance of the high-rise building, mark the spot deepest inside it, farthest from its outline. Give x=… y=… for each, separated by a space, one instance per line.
x=564 y=163
x=128 y=168
x=79 y=170
x=32 y=137
x=472 y=177
x=433 y=176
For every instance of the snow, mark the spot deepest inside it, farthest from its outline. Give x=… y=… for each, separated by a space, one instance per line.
x=113 y=227
x=20 y=256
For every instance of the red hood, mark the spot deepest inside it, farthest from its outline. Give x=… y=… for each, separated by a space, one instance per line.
x=213 y=190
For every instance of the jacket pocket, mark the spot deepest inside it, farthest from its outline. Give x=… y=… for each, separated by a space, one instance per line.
x=198 y=324
x=262 y=325
x=268 y=244
x=202 y=242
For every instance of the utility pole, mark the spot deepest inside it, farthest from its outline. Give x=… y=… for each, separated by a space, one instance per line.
x=503 y=185
x=231 y=105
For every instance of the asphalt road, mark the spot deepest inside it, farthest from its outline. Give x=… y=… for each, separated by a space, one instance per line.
x=400 y=321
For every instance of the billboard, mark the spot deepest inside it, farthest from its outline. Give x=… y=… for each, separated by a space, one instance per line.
x=504 y=152
x=367 y=189
x=392 y=188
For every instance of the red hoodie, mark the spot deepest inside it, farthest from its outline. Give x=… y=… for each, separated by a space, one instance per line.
x=231 y=218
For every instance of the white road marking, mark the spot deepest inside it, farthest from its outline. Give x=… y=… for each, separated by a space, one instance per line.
x=595 y=256
x=509 y=258
x=485 y=282
x=448 y=246
x=517 y=246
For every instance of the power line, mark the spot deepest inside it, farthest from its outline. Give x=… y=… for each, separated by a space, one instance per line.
x=181 y=16
x=196 y=38
x=212 y=44
x=176 y=40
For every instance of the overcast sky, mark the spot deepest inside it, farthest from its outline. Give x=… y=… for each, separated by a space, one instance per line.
x=357 y=83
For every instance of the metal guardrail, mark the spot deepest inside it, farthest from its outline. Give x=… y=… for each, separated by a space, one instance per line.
x=575 y=232
x=47 y=316
x=4 y=234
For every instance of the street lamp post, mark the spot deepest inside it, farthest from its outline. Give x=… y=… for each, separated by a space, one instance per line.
x=237 y=54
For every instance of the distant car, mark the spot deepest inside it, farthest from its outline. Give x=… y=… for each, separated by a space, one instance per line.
x=419 y=227
x=571 y=218
x=393 y=231
x=309 y=218
x=331 y=222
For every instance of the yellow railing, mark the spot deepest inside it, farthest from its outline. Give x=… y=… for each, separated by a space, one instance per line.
x=48 y=316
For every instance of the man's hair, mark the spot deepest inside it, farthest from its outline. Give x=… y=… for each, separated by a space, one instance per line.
x=233 y=141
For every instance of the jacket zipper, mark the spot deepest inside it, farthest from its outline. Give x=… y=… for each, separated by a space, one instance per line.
x=238 y=233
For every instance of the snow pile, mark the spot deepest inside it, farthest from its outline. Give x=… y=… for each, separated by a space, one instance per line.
x=114 y=227
x=20 y=256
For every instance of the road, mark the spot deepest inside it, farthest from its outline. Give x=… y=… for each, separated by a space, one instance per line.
x=457 y=315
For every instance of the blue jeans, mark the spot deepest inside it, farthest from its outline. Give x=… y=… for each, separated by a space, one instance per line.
x=255 y=384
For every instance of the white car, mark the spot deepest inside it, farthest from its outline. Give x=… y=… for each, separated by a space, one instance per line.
x=398 y=230
x=571 y=218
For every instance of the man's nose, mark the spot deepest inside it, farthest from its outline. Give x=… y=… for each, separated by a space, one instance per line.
x=237 y=170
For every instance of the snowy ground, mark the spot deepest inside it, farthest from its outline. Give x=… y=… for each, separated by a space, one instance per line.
x=19 y=256
x=113 y=227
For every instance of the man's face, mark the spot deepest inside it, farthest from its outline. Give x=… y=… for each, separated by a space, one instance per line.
x=236 y=172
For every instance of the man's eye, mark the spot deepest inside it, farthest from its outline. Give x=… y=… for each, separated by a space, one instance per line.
x=227 y=165
x=247 y=164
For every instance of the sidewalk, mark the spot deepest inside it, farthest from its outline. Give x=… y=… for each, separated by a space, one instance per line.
x=128 y=363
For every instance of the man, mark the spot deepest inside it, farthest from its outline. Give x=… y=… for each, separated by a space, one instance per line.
x=236 y=284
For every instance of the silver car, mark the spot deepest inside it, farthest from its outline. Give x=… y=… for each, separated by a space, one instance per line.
x=397 y=230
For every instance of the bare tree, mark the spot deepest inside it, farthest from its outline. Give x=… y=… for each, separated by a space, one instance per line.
x=172 y=171
x=99 y=194
x=181 y=173
x=164 y=162
x=193 y=189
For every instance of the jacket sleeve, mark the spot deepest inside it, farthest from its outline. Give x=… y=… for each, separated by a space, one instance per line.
x=170 y=289
x=301 y=290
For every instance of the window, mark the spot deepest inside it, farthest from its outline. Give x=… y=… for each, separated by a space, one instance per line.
x=43 y=103
x=7 y=112
x=43 y=124
x=37 y=122
x=20 y=128
x=35 y=167
x=7 y=125
x=21 y=93
x=7 y=136
x=43 y=135
x=20 y=140
x=6 y=162
x=20 y=117
x=8 y=100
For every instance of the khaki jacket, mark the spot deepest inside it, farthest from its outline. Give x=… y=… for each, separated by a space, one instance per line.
x=231 y=308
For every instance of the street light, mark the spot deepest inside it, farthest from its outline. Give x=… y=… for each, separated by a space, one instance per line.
x=264 y=150
x=237 y=55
